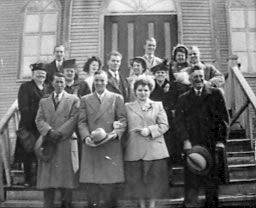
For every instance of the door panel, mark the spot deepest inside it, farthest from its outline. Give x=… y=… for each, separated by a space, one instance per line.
x=127 y=34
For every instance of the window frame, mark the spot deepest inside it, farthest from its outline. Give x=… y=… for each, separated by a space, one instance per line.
x=40 y=33
x=245 y=9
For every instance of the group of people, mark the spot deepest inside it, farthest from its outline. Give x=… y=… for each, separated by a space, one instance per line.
x=103 y=130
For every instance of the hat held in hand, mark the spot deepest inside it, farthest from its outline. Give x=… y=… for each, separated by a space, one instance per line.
x=98 y=135
x=44 y=149
x=199 y=160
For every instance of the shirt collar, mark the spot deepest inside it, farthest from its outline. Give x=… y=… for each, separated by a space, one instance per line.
x=113 y=73
x=70 y=84
x=60 y=94
x=200 y=90
x=59 y=62
x=100 y=96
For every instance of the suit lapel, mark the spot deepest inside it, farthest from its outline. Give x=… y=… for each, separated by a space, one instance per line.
x=136 y=108
x=112 y=82
x=64 y=100
x=94 y=102
x=106 y=103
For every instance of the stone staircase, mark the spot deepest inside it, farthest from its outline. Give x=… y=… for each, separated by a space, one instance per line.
x=241 y=191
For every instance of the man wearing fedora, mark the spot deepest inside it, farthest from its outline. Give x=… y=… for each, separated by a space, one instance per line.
x=56 y=121
x=201 y=119
x=102 y=122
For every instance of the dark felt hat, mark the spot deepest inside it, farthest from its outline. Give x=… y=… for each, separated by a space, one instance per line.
x=199 y=160
x=38 y=66
x=71 y=63
x=160 y=67
x=44 y=149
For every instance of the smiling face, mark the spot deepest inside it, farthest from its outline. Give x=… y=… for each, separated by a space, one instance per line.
x=142 y=92
x=194 y=55
x=150 y=47
x=197 y=79
x=39 y=75
x=94 y=66
x=114 y=63
x=59 y=53
x=59 y=84
x=100 y=82
x=180 y=57
x=137 y=68
x=160 y=75
x=69 y=74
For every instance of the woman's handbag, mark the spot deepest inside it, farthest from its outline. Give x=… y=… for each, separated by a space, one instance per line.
x=27 y=139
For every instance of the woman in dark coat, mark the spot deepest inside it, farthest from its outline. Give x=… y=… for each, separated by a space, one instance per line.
x=29 y=96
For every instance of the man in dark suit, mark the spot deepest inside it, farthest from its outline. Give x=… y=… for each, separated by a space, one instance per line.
x=116 y=82
x=149 y=56
x=201 y=118
x=56 y=65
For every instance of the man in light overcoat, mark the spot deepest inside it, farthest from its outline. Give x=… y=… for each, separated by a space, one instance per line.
x=56 y=121
x=102 y=166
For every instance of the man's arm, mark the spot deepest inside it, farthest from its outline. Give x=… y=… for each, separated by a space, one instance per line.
x=121 y=116
x=221 y=117
x=83 y=120
x=216 y=78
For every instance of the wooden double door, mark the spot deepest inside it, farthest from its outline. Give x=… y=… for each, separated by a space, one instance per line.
x=127 y=34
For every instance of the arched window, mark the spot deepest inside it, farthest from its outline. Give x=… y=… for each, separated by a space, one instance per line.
x=243 y=32
x=40 y=30
x=140 y=6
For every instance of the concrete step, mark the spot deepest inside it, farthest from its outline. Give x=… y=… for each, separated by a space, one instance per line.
x=241 y=157
x=236 y=172
x=244 y=171
x=238 y=145
x=225 y=201
x=238 y=133
x=235 y=187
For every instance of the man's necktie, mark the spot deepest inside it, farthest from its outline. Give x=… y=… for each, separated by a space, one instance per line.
x=198 y=93
x=116 y=78
x=57 y=100
x=58 y=65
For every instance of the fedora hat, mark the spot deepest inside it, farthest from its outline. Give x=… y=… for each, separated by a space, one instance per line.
x=44 y=150
x=98 y=135
x=199 y=160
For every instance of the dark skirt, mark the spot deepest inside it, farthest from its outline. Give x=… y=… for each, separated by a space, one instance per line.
x=146 y=179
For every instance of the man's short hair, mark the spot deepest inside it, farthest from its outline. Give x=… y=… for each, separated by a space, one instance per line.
x=194 y=47
x=114 y=53
x=149 y=39
x=57 y=46
x=58 y=74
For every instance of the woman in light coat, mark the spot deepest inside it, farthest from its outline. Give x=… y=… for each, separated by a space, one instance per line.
x=145 y=150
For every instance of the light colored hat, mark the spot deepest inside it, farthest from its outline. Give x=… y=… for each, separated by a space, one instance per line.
x=98 y=135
